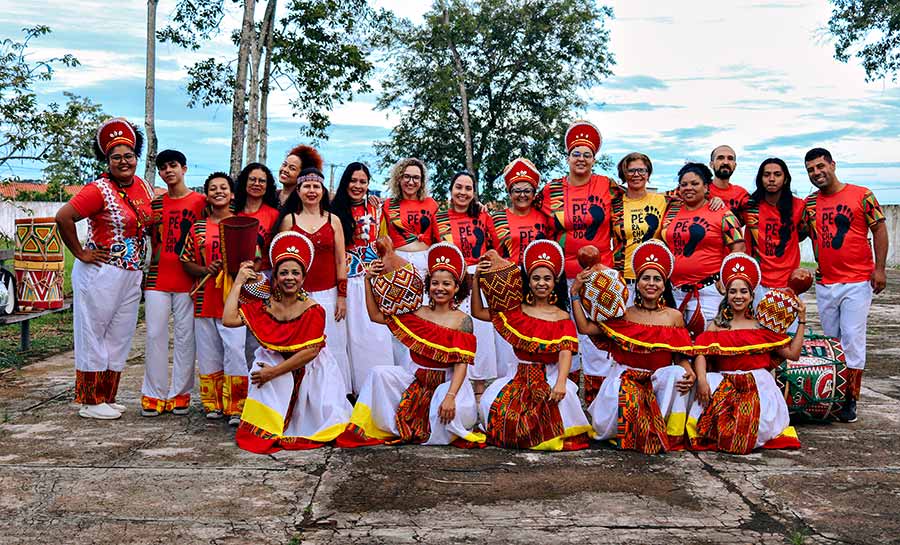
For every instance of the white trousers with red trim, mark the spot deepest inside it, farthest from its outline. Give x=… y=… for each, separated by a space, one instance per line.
x=158 y=307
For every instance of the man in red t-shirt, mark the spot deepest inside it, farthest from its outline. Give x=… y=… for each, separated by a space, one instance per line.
x=580 y=205
x=723 y=162
x=166 y=292
x=840 y=217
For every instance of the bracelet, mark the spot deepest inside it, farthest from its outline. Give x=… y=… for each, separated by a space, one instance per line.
x=342 y=287
x=451 y=394
x=575 y=298
x=801 y=323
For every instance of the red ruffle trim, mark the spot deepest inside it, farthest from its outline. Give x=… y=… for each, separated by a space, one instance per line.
x=644 y=338
x=533 y=335
x=432 y=341
x=739 y=342
x=304 y=331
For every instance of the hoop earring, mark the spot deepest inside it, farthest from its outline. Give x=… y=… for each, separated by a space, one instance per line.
x=454 y=304
x=277 y=294
x=529 y=299
x=552 y=299
x=638 y=300
x=728 y=313
x=431 y=304
x=302 y=295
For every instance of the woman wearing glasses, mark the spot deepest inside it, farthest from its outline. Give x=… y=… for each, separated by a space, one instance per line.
x=637 y=215
x=255 y=197
x=514 y=229
x=408 y=214
x=106 y=277
x=580 y=205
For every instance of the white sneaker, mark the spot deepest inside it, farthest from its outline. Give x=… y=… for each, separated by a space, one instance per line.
x=117 y=406
x=234 y=421
x=99 y=412
x=214 y=415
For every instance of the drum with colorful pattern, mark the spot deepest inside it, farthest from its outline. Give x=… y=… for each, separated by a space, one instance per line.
x=815 y=386
x=39 y=286
x=38 y=240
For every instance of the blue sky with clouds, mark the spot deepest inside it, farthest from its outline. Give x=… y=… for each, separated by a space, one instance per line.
x=690 y=75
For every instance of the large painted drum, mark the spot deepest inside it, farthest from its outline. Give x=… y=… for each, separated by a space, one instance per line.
x=815 y=386
x=38 y=240
x=39 y=286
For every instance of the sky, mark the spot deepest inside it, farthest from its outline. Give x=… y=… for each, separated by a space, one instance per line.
x=689 y=75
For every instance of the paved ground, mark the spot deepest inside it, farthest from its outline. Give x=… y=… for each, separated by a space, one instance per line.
x=182 y=480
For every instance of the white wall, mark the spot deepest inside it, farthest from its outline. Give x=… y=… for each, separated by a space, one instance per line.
x=11 y=211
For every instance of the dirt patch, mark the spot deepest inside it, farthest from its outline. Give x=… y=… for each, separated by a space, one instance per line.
x=491 y=476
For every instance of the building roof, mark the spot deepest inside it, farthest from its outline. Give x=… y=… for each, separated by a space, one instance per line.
x=11 y=189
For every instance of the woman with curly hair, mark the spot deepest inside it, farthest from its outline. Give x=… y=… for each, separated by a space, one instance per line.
x=106 y=277
x=408 y=215
x=299 y=158
x=255 y=197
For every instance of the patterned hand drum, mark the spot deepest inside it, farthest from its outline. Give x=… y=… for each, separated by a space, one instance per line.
x=815 y=387
x=604 y=294
x=777 y=310
x=39 y=265
x=238 y=236
x=501 y=284
x=399 y=289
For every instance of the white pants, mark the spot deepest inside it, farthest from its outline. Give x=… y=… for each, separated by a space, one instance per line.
x=105 y=315
x=158 y=306
x=369 y=343
x=709 y=301
x=220 y=348
x=590 y=359
x=485 y=367
x=844 y=312
x=335 y=333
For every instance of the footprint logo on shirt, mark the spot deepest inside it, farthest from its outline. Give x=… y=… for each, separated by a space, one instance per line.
x=784 y=235
x=479 y=240
x=187 y=220
x=597 y=213
x=697 y=231
x=842 y=220
x=424 y=222
x=652 y=218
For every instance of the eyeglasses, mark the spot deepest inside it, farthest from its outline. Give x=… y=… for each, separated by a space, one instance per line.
x=119 y=158
x=257 y=181
x=411 y=178
x=637 y=171
x=581 y=154
x=523 y=192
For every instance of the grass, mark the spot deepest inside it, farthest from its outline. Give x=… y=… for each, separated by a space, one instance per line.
x=50 y=334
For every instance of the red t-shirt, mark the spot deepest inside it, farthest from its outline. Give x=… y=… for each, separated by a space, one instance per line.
x=582 y=216
x=407 y=221
x=202 y=247
x=117 y=219
x=366 y=216
x=839 y=225
x=699 y=239
x=736 y=197
x=267 y=217
x=775 y=247
x=513 y=233
x=172 y=222
x=473 y=236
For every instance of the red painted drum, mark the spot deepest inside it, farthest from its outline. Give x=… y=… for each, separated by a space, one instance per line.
x=38 y=240
x=39 y=286
x=815 y=387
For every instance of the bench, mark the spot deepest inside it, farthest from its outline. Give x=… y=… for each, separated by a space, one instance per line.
x=24 y=319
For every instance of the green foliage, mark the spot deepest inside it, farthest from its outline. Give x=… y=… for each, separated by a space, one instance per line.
x=870 y=31
x=70 y=156
x=319 y=53
x=526 y=66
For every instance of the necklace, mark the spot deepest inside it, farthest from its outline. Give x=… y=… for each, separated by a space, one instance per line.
x=656 y=308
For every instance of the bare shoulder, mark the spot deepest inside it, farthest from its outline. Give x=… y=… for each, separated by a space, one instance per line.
x=560 y=314
x=676 y=317
x=465 y=324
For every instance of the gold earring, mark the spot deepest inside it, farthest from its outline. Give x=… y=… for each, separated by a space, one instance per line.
x=529 y=299
x=552 y=298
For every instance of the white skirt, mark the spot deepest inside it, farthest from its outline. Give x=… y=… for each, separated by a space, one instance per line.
x=369 y=343
x=485 y=367
x=574 y=420
x=320 y=411
x=673 y=406
x=774 y=419
x=335 y=333
x=375 y=411
x=507 y=361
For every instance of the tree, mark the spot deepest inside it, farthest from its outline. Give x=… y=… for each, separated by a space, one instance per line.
x=150 y=95
x=69 y=156
x=317 y=52
x=870 y=31
x=514 y=71
x=25 y=126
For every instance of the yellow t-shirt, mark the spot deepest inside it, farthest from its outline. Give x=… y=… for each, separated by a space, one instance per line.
x=641 y=221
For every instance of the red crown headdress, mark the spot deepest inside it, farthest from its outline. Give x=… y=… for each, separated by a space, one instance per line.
x=739 y=266
x=291 y=245
x=583 y=133
x=115 y=131
x=543 y=253
x=444 y=256
x=521 y=170
x=652 y=254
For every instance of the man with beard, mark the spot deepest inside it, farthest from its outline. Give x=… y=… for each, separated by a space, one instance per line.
x=723 y=161
x=839 y=217
x=774 y=226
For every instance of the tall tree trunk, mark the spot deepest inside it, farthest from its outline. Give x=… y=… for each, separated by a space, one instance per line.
x=150 y=95
x=463 y=94
x=256 y=82
x=264 y=87
x=239 y=108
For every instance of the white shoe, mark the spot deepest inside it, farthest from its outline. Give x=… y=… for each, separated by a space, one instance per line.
x=99 y=412
x=117 y=406
x=214 y=415
x=234 y=421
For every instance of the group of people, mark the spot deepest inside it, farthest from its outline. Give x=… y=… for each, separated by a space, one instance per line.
x=299 y=349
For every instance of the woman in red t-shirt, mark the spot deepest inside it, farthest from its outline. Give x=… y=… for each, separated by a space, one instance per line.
x=369 y=343
x=513 y=230
x=468 y=225
x=306 y=212
x=408 y=214
x=106 y=276
x=255 y=197
x=220 y=350
x=700 y=238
